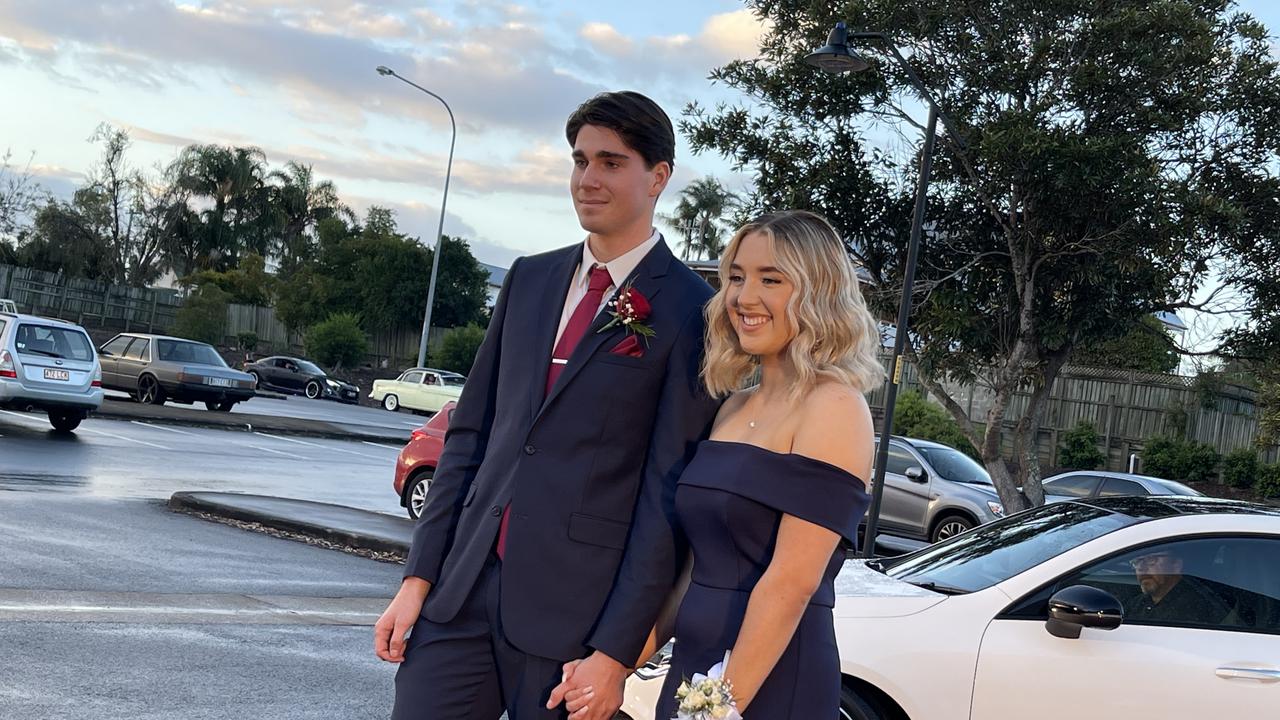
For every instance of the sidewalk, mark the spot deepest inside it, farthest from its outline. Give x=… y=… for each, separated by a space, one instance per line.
x=350 y=527
x=180 y=415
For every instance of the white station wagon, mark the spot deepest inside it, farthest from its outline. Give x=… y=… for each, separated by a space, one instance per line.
x=418 y=389
x=1107 y=608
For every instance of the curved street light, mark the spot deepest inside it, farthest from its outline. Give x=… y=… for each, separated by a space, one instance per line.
x=836 y=57
x=435 y=254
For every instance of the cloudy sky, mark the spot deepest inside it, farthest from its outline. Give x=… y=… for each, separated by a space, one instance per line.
x=296 y=78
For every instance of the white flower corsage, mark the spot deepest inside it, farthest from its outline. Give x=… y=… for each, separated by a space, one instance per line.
x=707 y=697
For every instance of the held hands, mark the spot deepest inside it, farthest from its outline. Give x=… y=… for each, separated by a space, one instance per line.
x=398 y=619
x=591 y=689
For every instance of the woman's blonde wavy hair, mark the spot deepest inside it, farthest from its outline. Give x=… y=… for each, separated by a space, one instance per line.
x=833 y=335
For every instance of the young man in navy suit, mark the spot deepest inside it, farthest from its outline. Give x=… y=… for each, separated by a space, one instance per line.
x=549 y=531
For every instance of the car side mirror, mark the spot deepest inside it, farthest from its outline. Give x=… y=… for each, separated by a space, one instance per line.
x=915 y=473
x=1081 y=606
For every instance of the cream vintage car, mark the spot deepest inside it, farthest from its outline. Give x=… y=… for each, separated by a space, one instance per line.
x=418 y=389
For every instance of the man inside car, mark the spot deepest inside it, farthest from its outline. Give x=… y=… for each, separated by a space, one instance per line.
x=1169 y=596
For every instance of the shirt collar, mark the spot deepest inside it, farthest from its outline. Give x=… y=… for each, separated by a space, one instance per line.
x=621 y=267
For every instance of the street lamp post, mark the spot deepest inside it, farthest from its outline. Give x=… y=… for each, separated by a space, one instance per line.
x=435 y=254
x=836 y=57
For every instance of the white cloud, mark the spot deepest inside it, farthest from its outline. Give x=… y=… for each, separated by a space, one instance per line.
x=722 y=38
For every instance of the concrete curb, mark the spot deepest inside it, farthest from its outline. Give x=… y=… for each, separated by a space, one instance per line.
x=240 y=421
x=242 y=507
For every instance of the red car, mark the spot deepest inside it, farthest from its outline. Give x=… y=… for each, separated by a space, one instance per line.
x=417 y=461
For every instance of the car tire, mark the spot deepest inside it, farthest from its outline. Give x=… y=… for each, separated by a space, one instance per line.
x=149 y=391
x=257 y=380
x=312 y=390
x=853 y=706
x=65 y=421
x=219 y=406
x=391 y=402
x=416 y=494
x=950 y=525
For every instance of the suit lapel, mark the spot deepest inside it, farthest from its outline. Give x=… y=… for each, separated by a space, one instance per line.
x=556 y=285
x=646 y=278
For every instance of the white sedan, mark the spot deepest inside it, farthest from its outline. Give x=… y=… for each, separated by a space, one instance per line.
x=1109 y=609
x=418 y=389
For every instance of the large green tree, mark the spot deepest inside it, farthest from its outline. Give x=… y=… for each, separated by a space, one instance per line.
x=1146 y=348
x=1121 y=157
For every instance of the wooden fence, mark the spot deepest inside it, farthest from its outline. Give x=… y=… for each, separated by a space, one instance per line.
x=87 y=302
x=1127 y=409
x=386 y=350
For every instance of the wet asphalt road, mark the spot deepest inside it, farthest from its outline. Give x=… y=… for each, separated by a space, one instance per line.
x=118 y=609
x=136 y=459
x=114 y=607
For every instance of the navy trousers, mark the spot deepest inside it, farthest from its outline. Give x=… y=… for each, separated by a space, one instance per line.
x=466 y=670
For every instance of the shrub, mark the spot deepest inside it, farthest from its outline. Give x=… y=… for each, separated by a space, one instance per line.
x=203 y=316
x=247 y=341
x=914 y=416
x=337 y=341
x=1080 y=448
x=1180 y=460
x=1268 y=484
x=1240 y=468
x=458 y=349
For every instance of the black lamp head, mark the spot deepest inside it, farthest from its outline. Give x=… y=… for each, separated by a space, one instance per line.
x=384 y=70
x=835 y=56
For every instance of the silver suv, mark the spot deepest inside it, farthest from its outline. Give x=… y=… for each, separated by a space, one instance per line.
x=48 y=365
x=933 y=491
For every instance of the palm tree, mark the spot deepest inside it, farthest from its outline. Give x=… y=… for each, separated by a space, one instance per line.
x=232 y=179
x=299 y=203
x=699 y=217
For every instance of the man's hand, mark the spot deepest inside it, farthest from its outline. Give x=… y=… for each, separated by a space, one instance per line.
x=599 y=680
x=398 y=619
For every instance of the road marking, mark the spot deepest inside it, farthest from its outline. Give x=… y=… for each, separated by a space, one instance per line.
x=292 y=440
x=380 y=445
x=317 y=445
x=413 y=424
x=161 y=427
x=277 y=452
x=22 y=416
x=126 y=439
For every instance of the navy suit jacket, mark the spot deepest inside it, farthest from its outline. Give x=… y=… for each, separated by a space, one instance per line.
x=589 y=469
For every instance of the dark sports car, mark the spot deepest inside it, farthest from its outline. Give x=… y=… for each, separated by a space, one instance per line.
x=295 y=375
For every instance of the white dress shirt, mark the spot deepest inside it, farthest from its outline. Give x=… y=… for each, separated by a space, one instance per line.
x=620 y=268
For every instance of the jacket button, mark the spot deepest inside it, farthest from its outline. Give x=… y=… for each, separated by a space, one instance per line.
x=495 y=511
x=529 y=449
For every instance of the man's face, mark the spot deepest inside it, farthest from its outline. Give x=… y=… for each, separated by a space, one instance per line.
x=1157 y=571
x=612 y=189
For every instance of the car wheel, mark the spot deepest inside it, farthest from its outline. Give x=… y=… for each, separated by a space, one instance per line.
x=391 y=402
x=416 y=496
x=149 y=391
x=257 y=379
x=949 y=526
x=215 y=406
x=313 y=390
x=853 y=706
x=65 y=421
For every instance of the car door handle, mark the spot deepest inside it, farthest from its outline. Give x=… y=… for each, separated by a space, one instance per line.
x=1266 y=675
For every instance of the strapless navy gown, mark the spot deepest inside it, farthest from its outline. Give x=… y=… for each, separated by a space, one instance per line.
x=730 y=501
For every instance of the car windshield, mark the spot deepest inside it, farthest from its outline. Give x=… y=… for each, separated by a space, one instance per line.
x=997 y=551
x=54 y=342
x=189 y=352
x=1178 y=488
x=309 y=368
x=954 y=465
x=453 y=380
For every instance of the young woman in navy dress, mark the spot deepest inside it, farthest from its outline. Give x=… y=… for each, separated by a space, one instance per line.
x=771 y=501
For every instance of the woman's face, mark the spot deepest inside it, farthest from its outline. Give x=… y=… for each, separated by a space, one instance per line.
x=757 y=297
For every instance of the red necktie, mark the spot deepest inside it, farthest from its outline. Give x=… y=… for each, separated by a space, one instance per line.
x=574 y=331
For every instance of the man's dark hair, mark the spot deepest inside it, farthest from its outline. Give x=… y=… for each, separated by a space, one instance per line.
x=641 y=124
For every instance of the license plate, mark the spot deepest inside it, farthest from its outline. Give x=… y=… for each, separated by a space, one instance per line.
x=52 y=374
x=220 y=382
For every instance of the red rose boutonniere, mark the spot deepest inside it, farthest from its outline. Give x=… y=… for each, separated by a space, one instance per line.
x=630 y=308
